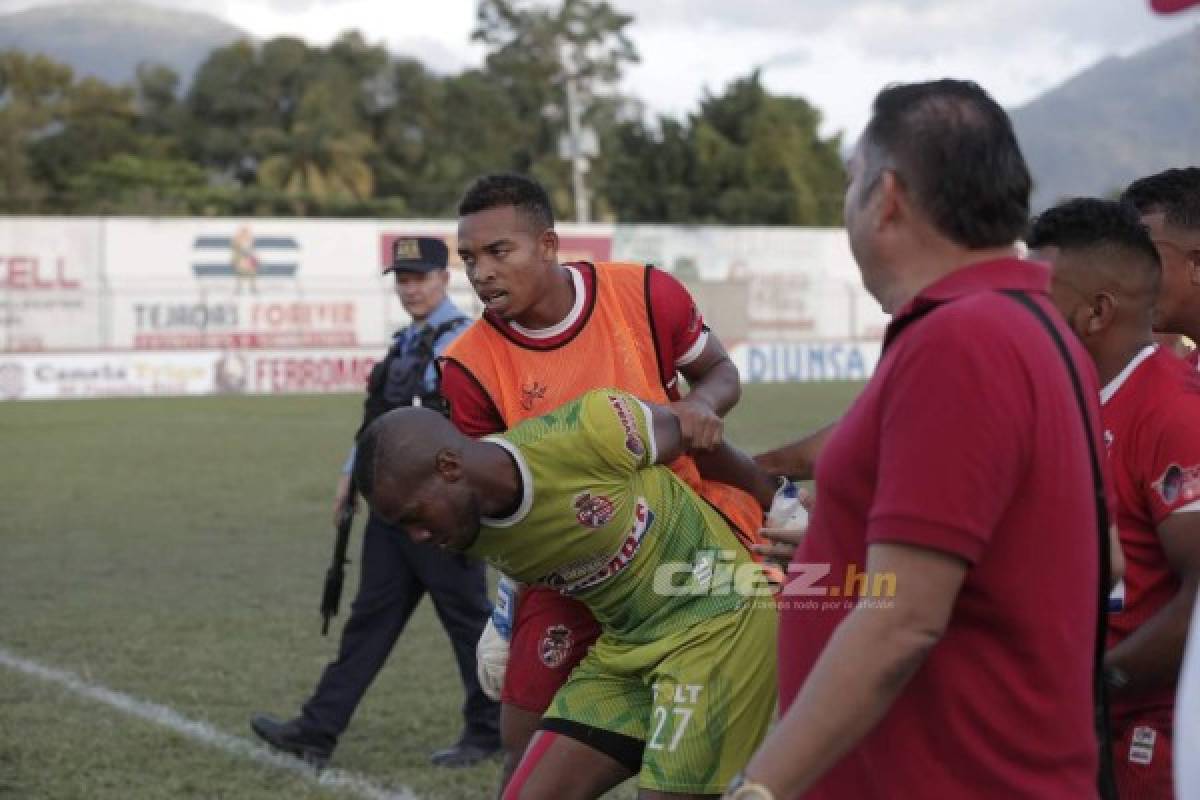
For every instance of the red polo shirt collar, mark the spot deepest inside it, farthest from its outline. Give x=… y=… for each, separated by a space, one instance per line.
x=986 y=276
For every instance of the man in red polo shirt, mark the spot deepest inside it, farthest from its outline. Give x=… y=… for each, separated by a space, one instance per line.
x=957 y=491
x=1169 y=204
x=1106 y=277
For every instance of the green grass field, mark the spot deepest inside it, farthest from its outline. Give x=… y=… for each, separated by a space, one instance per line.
x=174 y=550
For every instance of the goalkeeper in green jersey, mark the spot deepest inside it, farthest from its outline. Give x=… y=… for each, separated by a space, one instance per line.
x=680 y=687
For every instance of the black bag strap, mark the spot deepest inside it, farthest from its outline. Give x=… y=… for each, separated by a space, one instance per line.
x=1105 y=780
x=431 y=334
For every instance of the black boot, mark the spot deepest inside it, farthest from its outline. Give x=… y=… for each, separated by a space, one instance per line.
x=465 y=753
x=290 y=737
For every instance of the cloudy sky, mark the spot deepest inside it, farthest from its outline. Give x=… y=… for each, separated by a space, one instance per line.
x=836 y=53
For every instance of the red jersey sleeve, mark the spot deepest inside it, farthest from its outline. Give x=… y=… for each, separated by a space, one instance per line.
x=471 y=409
x=676 y=321
x=1172 y=449
x=955 y=439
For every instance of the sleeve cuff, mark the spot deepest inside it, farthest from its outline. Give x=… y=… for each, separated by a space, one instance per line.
x=651 y=441
x=694 y=351
x=928 y=534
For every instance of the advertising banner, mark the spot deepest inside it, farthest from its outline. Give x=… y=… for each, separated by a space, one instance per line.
x=169 y=373
x=786 y=362
x=198 y=284
x=50 y=285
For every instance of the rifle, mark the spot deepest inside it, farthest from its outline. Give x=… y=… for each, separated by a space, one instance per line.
x=331 y=597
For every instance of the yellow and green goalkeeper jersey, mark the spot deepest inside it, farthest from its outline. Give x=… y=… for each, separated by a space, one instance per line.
x=600 y=522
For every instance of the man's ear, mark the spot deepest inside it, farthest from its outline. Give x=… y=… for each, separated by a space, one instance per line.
x=1193 y=266
x=892 y=198
x=548 y=245
x=1102 y=312
x=448 y=464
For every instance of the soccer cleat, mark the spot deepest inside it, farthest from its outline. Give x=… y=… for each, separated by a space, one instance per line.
x=289 y=737
x=464 y=754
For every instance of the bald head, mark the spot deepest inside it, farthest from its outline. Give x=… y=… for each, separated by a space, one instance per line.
x=1099 y=246
x=401 y=448
x=423 y=477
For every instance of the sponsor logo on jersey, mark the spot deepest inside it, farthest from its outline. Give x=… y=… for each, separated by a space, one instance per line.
x=555 y=646
x=592 y=510
x=531 y=393
x=1179 y=484
x=633 y=439
x=643 y=518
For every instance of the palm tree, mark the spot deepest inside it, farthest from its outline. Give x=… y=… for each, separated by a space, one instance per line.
x=320 y=159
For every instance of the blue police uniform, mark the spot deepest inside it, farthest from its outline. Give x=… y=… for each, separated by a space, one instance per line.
x=396 y=574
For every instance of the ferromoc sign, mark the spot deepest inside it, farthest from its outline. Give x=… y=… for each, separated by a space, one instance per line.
x=60 y=376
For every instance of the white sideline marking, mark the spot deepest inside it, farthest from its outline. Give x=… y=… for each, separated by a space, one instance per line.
x=202 y=731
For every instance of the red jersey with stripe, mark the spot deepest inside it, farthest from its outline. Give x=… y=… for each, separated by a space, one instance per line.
x=1151 y=417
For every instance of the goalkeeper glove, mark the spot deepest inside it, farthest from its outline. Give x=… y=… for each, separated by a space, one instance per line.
x=491 y=654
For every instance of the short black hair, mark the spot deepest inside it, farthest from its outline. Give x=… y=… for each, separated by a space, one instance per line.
x=953 y=147
x=503 y=189
x=1175 y=193
x=1088 y=223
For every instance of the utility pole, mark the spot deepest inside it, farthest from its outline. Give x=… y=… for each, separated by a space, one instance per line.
x=579 y=144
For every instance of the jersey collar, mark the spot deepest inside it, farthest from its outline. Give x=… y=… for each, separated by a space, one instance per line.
x=1116 y=383
x=526 y=486
x=567 y=322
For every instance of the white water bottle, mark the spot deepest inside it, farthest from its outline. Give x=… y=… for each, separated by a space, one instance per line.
x=787 y=512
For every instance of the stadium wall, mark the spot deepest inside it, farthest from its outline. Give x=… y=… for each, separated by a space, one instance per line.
x=120 y=306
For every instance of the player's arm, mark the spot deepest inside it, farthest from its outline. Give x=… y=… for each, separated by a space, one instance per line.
x=687 y=346
x=798 y=459
x=724 y=463
x=715 y=388
x=471 y=409
x=885 y=645
x=1152 y=654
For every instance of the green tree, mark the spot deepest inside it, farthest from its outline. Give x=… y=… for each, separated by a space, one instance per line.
x=33 y=91
x=97 y=121
x=747 y=157
x=130 y=184
x=322 y=157
x=160 y=115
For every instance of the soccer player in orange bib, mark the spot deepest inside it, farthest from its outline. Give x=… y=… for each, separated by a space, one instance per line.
x=549 y=333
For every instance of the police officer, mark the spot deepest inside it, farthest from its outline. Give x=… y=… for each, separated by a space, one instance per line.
x=396 y=573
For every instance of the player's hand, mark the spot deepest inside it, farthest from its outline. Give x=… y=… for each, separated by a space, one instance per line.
x=699 y=426
x=491 y=661
x=340 y=496
x=491 y=653
x=782 y=541
x=780 y=546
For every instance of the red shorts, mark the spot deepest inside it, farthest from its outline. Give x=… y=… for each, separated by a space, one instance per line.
x=1142 y=756
x=551 y=634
